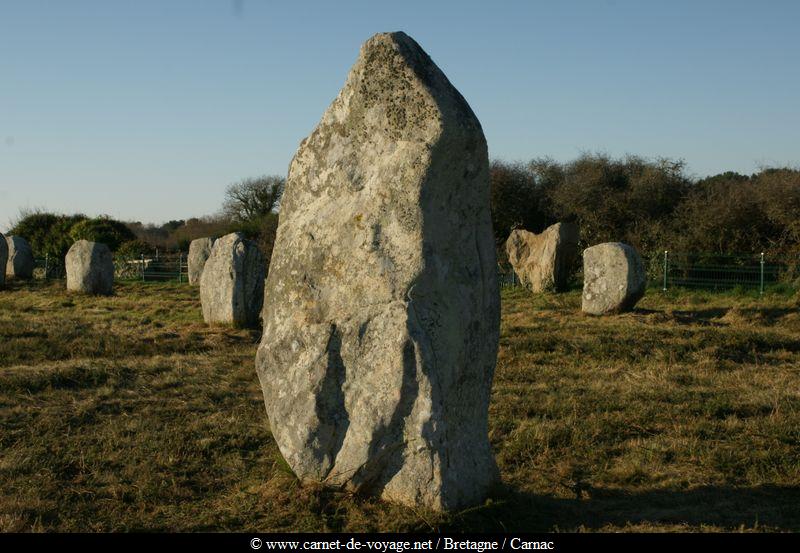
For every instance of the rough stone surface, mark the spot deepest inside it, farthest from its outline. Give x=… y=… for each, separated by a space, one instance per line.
x=20 y=258
x=543 y=262
x=381 y=315
x=614 y=278
x=90 y=268
x=232 y=282
x=199 y=250
x=3 y=258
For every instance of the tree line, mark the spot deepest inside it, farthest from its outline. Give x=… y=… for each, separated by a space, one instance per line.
x=250 y=207
x=652 y=204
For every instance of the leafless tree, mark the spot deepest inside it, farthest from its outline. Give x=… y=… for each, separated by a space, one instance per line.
x=253 y=198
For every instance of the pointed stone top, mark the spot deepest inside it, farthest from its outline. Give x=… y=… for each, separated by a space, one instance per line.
x=394 y=96
x=399 y=61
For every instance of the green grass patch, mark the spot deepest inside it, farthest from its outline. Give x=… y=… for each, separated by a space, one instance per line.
x=128 y=413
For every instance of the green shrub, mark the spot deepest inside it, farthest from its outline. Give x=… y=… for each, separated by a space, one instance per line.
x=630 y=200
x=133 y=249
x=47 y=233
x=105 y=230
x=518 y=198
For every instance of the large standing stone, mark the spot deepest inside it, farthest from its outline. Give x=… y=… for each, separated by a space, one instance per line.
x=3 y=258
x=614 y=278
x=90 y=268
x=199 y=250
x=232 y=282
x=543 y=261
x=20 y=258
x=381 y=315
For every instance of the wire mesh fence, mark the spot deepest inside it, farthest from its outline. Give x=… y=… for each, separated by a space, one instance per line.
x=722 y=271
x=158 y=267
x=665 y=269
x=151 y=267
x=668 y=270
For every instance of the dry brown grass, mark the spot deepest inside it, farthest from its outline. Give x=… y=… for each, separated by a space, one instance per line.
x=127 y=413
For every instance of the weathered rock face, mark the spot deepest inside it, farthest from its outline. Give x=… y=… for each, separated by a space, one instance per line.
x=543 y=262
x=381 y=314
x=614 y=278
x=199 y=250
x=20 y=258
x=3 y=258
x=90 y=268
x=232 y=282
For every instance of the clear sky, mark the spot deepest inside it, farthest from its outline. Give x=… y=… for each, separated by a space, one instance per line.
x=146 y=110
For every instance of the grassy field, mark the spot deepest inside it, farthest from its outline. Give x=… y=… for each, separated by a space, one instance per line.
x=128 y=413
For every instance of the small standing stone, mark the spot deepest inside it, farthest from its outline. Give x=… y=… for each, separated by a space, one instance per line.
x=20 y=258
x=90 y=268
x=614 y=278
x=199 y=250
x=543 y=261
x=232 y=282
x=3 y=258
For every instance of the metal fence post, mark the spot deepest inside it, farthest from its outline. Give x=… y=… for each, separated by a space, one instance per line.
x=666 y=268
x=46 y=262
x=141 y=265
x=761 y=284
x=180 y=266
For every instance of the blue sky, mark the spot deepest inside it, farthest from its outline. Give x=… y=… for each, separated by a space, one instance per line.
x=146 y=110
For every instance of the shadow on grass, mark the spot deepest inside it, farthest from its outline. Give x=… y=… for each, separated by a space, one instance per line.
x=775 y=507
x=702 y=317
x=768 y=315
